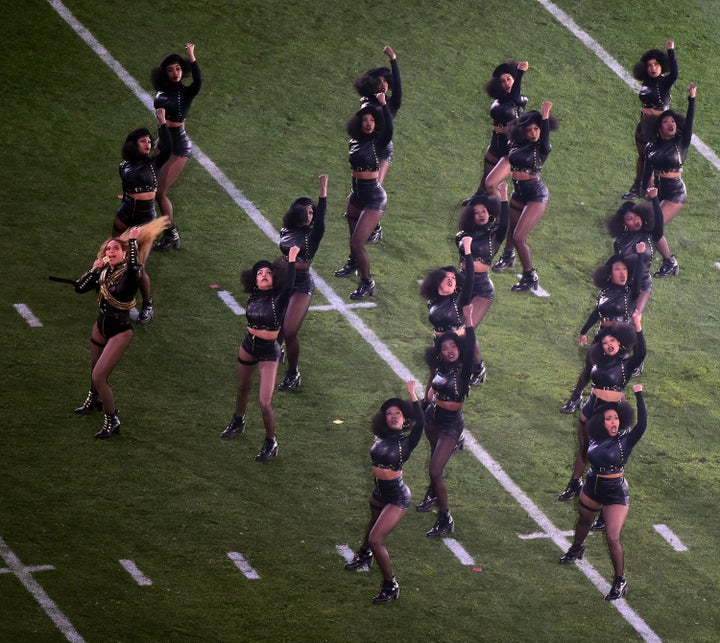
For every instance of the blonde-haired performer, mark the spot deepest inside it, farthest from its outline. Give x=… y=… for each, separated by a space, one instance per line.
x=115 y=275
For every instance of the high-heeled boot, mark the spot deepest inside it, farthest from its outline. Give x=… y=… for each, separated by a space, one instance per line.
x=366 y=288
x=428 y=502
x=618 y=590
x=389 y=590
x=362 y=560
x=669 y=268
x=443 y=525
x=572 y=489
x=575 y=552
x=479 y=374
x=529 y=280
x=236 y=427
x=350 y=268
x=111 y=425
x=169 y=239
x=507 y=260
x=269 y=450
x=91 y=403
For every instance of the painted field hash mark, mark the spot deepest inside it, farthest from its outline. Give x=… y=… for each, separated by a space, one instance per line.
x=131 y=568
x=243 y=565
x=28 y=315
x=670 y=537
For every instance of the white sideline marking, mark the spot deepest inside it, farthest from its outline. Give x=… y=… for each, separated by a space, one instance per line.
x=456 y=548
x=670 y=537
x=131 y=568
x=366 y=333
x=566 y=21
x=243 y=565
x=541 y=534
x=235 y=307
x=39 y=594
x=348 y=554
x=27 y=315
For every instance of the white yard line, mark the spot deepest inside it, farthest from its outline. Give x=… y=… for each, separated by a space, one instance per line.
x=24 y=575
x=670 y=538
x=131 y=568
x=28 y=315
x=243 y=565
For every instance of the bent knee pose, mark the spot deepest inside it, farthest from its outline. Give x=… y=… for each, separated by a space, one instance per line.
x=269 y=290
x=612 y=439
x=115 y=275
x=371 y=130
x=303 y=226
x=175 y=98
x=390 y=499
x=530 y=148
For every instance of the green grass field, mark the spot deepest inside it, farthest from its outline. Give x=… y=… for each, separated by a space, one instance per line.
x=173 y=498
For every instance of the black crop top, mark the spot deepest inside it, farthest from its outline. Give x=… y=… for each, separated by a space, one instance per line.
x=655 y=92
x=141 y=175
x=393 y=449
x=445 y=312
x=530 y=157
x=610 y=454
x=176 y=100
x=612 y=373
x=363 y=152
x=116 y=286
x=669 y=155
x=451 y=382
x=306 y=238
x=266 y=308
x=487 y=239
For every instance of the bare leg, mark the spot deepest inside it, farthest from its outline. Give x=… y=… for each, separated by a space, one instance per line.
x=530 y=217
x=169 y=173
x=389 y=517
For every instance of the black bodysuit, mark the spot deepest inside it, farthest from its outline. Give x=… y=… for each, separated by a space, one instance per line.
x=613 y=372
x=529 y=157
x=307 y=238
x=486 y=239
x=625 y=244
x=266 y=308
x=141 y=175
x=655 y=92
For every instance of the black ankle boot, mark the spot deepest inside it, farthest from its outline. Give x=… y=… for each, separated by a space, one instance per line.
x=111 y=424
x=572 y=490
x=269 y=450
x=170 y=239
x=291 y=380
x=350 y=268
x=443 y=525
x=91 y=403
x=363 y=559
x=574 y=402
x=428 y=502
x=575 y=552
x=669 y=268
x=528 y=281
x=479 y=374
x=633 y=192
x=366 y=288
x=389 y=590
x=618 y=590
x=507 y=260
x=235 y=428
x=376 y=235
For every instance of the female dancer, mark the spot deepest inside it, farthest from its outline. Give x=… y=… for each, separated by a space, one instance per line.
x=139 y=175
x=452 y=355
x=657 y=71
x=504 y=87
x=611 y=442
x=303 y=226
x=382 y=80
x=260 y=351
x=391 y=497
x=115 y=275
x=175 y=98
x=371 y=130
x=447 y=293
x=480 y=220
x=618 y=350
x=530 y=147
x=619 y=281
x=665 y=159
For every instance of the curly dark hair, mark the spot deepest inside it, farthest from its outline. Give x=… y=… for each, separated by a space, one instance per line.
x=278 y=267
x=595 y=424
x=493 y=88
x=624 y=333
x=130 y=150
x=516 y=128
x=433 y=279
x=602 y=274
x=640 y=67
x=466 y=221
x=680 y=120
x=616 y=222
x=158 y=75
x=295 y=217
x=353 y=126
x=379 y=424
